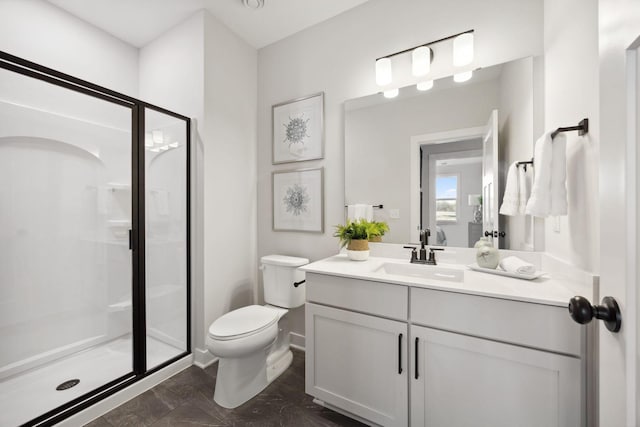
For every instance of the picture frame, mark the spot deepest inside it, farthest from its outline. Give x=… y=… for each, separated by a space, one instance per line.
x=298 y=200
x=298 y=129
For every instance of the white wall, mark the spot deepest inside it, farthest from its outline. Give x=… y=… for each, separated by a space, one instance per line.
x=337 y=57
x=378 y=145
x=571 y=81
x=201 y=69
x=40 y=32
x=230 y=244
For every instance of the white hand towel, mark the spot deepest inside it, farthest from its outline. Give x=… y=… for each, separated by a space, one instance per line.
x=539 y=203
x=515 y=265
x=523 y=190
x=358 y=211
x=511 y=200
x=559 y=176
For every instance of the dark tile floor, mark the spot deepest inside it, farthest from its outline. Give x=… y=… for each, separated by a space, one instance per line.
x=186 y=399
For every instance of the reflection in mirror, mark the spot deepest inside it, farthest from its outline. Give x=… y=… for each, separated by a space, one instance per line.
x=438 y=159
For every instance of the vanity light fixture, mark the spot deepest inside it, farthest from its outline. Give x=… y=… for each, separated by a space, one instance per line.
x=463 y=50
x=426 y=85
x=391 y=93
x=421 y=61
x=422 y=55
x=383 y=71
x=157 y=136
x=462 y=77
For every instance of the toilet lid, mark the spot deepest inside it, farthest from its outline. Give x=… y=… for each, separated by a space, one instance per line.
x=243 y=321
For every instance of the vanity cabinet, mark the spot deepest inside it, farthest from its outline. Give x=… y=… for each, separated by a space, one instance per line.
x=358 y=363
x=396 y=355
x=458 y=380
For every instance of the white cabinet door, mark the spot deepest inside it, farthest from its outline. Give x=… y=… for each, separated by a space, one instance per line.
x=462 y=381
x=358 y=363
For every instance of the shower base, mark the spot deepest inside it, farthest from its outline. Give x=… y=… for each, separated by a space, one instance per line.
x=32 y=393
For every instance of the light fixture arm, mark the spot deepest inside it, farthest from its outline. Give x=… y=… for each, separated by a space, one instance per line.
x=391 y=55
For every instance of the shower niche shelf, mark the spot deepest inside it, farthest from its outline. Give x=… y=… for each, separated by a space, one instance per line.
x=118 y=186
x=153 y=292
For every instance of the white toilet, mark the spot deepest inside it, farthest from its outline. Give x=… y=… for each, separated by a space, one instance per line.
x=252 y=342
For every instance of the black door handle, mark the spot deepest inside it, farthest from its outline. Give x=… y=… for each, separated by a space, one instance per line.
x=400 y=354
x=583 y=312
x=495 y=233
x=416 y=358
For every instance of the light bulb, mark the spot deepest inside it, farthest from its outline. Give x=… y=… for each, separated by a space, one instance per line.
x=157 y=137
x=421 y=61
x=391 y=93
x=462 y=77
x=383 y=71
x=426 y=85
x=463 y=49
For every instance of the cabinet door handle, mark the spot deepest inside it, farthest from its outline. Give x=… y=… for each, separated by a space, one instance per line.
x=400 y=354
x=416 y=358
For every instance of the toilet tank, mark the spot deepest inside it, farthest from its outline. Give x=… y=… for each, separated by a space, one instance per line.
x=279 y=273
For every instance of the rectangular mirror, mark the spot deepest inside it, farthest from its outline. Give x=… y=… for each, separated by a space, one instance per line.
x=438 y=159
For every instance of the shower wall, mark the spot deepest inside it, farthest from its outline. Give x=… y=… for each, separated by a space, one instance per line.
x=65 y=212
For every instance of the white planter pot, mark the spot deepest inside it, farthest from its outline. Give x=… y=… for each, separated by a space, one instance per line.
x=358 y=255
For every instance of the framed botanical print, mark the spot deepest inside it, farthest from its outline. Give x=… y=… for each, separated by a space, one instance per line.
x=298 y=203
x=298 y=129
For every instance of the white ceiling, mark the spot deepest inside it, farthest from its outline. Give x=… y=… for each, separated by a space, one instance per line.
x=138 y=22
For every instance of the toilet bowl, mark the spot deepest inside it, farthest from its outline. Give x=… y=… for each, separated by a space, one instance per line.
x=252 y=342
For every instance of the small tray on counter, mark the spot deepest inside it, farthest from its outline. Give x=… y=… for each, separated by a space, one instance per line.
x=501 y=272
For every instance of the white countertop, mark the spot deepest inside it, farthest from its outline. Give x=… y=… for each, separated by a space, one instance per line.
x=551 y=289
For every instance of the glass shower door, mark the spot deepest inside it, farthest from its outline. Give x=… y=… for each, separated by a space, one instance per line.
x=65 y=262
x=166 y=226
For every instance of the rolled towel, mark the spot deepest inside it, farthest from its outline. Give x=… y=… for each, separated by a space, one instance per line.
x=513 y=264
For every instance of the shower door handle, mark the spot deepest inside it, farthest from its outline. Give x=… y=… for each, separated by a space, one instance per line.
x=130 y=239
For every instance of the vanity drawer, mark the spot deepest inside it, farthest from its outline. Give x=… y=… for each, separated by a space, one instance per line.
x=534 y=325
x=377 y=298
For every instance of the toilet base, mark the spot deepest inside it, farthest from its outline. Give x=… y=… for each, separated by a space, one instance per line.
x=240 y=379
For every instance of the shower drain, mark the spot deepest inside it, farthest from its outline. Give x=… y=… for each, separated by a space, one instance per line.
x=67 y=385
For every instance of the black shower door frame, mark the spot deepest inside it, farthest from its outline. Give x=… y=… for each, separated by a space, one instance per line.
x=137 y=233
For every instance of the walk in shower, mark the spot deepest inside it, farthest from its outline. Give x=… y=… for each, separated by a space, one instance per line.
x=94 y=242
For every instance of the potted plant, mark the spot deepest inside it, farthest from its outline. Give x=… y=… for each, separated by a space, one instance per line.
x=377 y=230
x=355 y=236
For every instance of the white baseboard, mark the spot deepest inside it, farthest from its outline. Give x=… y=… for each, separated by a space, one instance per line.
x=203 y=358
x=297 y=341
x=117 y=399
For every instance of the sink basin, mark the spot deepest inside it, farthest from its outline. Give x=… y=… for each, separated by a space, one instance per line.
x=421 y=271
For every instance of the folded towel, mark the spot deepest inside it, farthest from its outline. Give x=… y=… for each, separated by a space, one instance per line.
x=539 y=203
x=358 y=211
x=559 y=176
x=511 y=200
x=515 y=265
